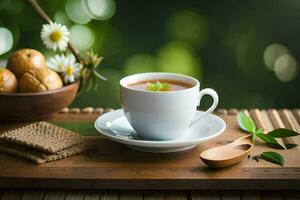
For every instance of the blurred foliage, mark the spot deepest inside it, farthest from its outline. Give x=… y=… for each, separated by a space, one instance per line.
x=246 y=50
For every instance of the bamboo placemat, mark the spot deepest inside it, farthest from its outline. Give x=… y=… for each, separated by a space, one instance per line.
x=268 y=119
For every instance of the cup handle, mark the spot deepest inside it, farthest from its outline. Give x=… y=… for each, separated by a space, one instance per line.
x=215 y=97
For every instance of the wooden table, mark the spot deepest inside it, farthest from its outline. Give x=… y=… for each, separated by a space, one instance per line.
x=114 y=166
x=147 y=195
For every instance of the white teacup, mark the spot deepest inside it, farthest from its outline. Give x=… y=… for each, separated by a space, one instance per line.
x=163 y=115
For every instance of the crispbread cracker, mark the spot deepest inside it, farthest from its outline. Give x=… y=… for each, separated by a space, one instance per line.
x=41 y=157
x=43 y=136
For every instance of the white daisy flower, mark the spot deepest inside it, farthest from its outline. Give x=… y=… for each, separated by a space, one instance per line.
x=55 y=36
x=66 y=66
x=71 y=70
x=57 y=63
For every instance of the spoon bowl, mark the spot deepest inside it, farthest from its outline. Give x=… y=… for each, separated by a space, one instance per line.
x=229 y=154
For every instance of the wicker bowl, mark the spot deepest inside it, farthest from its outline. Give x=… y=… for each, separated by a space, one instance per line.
x=35 y=106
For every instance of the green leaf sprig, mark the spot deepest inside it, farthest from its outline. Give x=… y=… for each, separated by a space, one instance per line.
x=158 y=86
x=270 y=156
x=247 y=124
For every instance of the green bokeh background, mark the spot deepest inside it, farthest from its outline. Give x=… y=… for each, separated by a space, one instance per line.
x=221 y=43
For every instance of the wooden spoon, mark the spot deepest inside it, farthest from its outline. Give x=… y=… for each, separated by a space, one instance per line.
x=229 y=154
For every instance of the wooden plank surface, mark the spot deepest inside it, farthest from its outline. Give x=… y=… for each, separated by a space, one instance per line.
x=131 y=195
x=291 y=195
x=75 y=195
x=230 y=195
x=250 y=195
x=176 y=195
x=154 y=195
x=205 y=195
x=114 y=166
x=92 y=195
x=55 y=195
x=272 y=195
x=151 y=195
x=11 y=194
x=33 y=195
x=109 y=195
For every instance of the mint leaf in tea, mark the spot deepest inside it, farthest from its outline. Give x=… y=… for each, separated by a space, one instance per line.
x=160 y=85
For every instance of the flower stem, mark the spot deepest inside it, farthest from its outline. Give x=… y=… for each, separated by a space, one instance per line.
x=36 y=7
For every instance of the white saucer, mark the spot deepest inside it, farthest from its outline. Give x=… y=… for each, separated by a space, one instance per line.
x=114 y=126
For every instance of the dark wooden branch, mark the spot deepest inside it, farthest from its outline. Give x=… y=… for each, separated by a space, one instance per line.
x=36 y=7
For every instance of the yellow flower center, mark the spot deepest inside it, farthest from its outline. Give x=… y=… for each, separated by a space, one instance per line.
x=69 y=70
x=55 y=36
